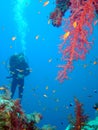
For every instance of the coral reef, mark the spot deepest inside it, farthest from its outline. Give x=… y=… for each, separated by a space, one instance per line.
x=90 y=125
x=81 y=122
x=80 y=118
x=77 y=29
x=12 y=116
x=61 y=7
x=48 y=127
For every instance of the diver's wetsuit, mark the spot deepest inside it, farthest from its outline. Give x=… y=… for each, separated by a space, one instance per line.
x=17 y=82
x=18 y=70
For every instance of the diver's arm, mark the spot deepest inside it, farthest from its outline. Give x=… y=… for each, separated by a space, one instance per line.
x=9 y=77
x=27 y=70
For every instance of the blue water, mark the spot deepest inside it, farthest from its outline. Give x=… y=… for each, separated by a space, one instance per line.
x=33 y=21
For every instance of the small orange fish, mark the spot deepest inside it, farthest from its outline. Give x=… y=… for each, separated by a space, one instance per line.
x=37 y=37
x=13 y=38
x=75 y=24
x=46 y=3
x=95 y=62
x=66 y=35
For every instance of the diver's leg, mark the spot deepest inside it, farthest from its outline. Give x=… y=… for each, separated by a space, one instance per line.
x=13 y=87
x=21 y=87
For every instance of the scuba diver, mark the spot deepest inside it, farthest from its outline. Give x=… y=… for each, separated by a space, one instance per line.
x=18 y=68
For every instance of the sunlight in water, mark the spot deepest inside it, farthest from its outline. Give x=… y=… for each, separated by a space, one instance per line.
x=22 y=25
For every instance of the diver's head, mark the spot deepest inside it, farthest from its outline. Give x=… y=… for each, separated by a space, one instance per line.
x=21 y=57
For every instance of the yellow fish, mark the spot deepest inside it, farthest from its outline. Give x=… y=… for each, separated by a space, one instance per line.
x=66 y=35
x=95 y=62
x=75 y=24
x=46 y=3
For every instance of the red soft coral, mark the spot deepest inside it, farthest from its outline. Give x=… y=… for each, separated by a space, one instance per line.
x=80 y=117
x=61 y=7
x=75 y=45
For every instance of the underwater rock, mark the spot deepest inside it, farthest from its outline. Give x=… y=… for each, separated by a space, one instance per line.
x=12 y=117
x=36 y=117
x=48 y=127
x=91 y=125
